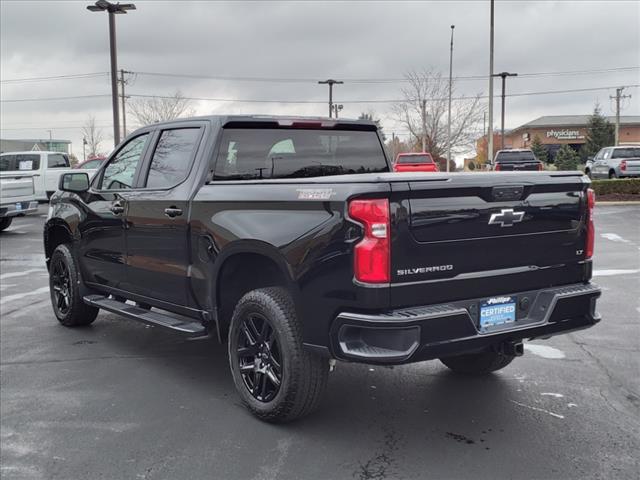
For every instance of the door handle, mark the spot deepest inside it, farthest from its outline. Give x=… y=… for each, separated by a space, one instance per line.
x=172 y=212
x=117 y=208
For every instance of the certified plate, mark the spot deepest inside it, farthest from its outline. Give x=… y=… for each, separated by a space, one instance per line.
x=497 y=311
x=18 y=206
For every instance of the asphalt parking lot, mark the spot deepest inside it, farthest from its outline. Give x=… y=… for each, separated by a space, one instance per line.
x=121 y=400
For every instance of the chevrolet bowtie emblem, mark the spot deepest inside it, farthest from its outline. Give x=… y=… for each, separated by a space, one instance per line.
x=506 y=218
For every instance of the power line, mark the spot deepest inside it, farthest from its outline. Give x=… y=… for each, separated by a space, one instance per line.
x=319 y=102
x=57 y=77
x=310 y=80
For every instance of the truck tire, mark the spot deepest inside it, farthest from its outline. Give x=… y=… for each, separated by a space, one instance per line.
x=612 y=175
x=64 y=287
x=277 y=379
x=477 y=363
x=5 y=222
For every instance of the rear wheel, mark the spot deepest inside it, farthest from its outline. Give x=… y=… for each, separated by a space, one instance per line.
x=277 y=379
x=64 y=286
x=478 y=363
x=5 y=222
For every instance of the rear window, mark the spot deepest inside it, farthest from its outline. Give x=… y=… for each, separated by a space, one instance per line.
x=291 y=153
x=516 y=157
x=626 y=152
x=415 y=159
x=26 y=162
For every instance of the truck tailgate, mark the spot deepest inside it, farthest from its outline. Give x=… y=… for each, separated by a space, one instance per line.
x=16 y=188
x=493 y=226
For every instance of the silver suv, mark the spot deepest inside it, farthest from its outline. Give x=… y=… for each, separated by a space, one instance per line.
x=616 y=162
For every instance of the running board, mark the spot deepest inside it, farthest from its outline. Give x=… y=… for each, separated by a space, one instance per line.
x=174 y=322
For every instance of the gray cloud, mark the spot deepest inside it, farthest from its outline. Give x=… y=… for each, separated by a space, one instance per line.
x=308 y=40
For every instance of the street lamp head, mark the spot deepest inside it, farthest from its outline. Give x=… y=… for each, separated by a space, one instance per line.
x=452 y=27
x=118 y=8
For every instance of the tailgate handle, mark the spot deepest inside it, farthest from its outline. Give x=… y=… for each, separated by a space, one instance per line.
x=507 y=193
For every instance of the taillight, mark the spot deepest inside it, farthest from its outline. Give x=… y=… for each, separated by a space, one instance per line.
x=623 y=165
x=539 y=167
x=372 y=254
x=591 y=234
x=497 y=168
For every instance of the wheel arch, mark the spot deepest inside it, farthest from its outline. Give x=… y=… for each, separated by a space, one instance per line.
x=245 y=266
x=56 y=232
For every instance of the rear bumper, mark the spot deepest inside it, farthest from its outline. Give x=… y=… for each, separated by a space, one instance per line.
x=18 y=208
x=436 y=331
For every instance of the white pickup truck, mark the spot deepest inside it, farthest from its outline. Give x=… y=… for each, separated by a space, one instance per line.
x=17 y=198
x=45 y=167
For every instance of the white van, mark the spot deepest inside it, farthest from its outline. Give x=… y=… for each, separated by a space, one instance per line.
x=45 y=167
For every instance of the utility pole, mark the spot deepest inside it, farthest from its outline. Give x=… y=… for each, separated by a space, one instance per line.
x=424 y=125
x=113 y=9
x=450 y=85
x=490 y=133
x=123 y=82
x=331 y=83
x=617 y=98
x=84 y=149
x=50 y=135
x=504 y=76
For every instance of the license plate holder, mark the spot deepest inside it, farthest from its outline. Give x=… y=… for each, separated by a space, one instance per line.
x=497 y=312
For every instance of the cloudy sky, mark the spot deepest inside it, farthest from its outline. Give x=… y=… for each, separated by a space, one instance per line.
x=237 y=43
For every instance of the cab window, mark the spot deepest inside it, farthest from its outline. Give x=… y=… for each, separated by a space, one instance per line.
x=172 y=157
x=121 y=170
x=57 y=160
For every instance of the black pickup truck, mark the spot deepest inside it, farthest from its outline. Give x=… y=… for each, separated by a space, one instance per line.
x=292 y=241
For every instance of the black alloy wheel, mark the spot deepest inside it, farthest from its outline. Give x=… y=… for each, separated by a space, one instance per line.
x=61 y=283
x=259 y=357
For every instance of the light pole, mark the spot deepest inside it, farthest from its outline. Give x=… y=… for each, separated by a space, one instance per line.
x=50 y=137
x=504 y=76
x=113 y=9
x=331 y=83
x=490 y=132
x=337 y=108
x=84 y=149
x=449 y=116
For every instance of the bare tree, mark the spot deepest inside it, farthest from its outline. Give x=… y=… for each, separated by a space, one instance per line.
x=424 y=112
x=158 y=109
x=93 y=136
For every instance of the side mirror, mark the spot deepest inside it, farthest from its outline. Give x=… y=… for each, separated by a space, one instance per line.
x=74 y=182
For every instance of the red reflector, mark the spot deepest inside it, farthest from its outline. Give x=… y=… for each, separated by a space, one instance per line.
x=591 y=234
x=372 y=254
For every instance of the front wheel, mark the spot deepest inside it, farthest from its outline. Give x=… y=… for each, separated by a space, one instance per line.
x=5 y=222
x=612 y=175
x=277 y=379
x=477 y=363
x=64 y=286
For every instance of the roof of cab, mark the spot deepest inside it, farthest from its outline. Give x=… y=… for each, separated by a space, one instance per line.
x=280 y=119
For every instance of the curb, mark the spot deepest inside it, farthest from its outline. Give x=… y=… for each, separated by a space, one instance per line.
x=630 y=202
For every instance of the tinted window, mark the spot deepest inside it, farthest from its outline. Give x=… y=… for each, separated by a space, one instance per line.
x=516 y=157
x=90 y=164
x=626 y=152
x=289 y=153
x=57 y=161
x=122 y=168
x=415 y=159
x=9 y=163
x=172 y=157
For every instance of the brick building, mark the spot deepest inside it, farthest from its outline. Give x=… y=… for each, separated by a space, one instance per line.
x=557 y=130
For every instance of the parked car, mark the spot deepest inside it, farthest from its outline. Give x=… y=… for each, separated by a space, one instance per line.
x=588 y=166
x=617 y=162
x=239 y=228
x=415 y=162
x=516 y=159
x=45 y=168
x=91 y=164
x=17 y=198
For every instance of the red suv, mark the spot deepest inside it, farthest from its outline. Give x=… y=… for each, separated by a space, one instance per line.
x=415 y=162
